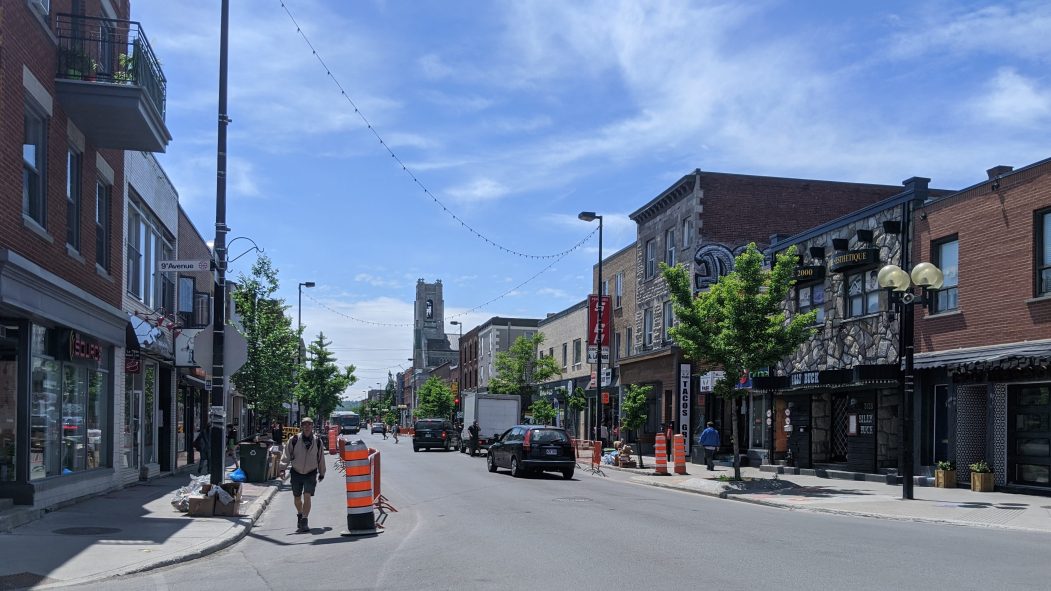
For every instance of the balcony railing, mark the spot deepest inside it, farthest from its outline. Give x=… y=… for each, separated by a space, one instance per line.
x=111 y=51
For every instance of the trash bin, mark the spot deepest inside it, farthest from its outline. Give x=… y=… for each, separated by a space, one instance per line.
x=253 y=458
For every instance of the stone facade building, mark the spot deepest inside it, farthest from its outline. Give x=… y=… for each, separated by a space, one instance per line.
x=431 y=346
x=703 y=221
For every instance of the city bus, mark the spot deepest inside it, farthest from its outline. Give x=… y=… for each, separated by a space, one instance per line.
x=348 y=422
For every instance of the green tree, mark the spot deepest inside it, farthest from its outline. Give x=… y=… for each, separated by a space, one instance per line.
x=434 y=400
x=322 y=383
x=266 y=378
x=519 y=369
x=634 y=408
x=543 y=412
x=739 y=324
x=576 y=403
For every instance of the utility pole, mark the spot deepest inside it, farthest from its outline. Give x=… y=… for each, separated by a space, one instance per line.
x=218 y=397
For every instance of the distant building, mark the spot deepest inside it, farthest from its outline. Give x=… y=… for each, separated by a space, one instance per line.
x=431 y=346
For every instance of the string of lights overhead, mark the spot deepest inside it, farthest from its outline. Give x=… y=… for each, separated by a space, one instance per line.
x=408 y=171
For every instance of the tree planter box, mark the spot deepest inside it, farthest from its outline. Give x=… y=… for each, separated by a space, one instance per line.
x=945 y=478
x=982 y=481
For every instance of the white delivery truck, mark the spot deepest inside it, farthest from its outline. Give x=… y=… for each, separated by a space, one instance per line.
x=495 y=414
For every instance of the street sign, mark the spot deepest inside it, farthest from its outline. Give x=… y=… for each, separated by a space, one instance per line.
x=173 y=266
x=593 y=355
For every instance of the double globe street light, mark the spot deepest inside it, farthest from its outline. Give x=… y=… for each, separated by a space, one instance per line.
x=898 y=284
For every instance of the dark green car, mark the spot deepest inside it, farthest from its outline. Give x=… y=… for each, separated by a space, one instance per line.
x=435 y=433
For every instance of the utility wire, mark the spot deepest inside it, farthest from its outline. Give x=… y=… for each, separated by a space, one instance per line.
x=405 y=168
x=458 y=315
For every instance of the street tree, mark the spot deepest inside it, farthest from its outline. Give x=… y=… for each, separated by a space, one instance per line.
x=266 y=378
x=543 y=412
x=634 y=408
x=322 y=382
x=739 y=324
x=435 y=399
x=519 y=369
x=576 y=402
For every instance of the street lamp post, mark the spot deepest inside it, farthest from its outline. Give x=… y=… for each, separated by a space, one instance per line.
x=897 y=282
x=299 y=345
x=459 y=365
x=413 y=409
x=590 y=216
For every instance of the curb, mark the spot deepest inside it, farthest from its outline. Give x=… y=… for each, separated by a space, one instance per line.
x=725 y=494
x=245 y=524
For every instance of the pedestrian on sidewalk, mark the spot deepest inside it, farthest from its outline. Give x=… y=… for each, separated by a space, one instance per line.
x=384 y=430
x=231 y=445
x=473 y=431
x=200 y=443
x=397 y=431
x=277 y=434
x=304 y=457
x=669 y=431
x=710 y=441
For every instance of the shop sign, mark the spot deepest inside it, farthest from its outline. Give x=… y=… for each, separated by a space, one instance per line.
x=79 y=347
x=132 y=361
x=809 y=272
x=684 y=402
x=805 y=378
x=707 y=381
x=853 y=259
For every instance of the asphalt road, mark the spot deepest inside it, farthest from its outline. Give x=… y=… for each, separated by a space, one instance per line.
x=460 y=527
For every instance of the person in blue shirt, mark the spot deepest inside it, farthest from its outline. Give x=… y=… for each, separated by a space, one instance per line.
x=710 y=441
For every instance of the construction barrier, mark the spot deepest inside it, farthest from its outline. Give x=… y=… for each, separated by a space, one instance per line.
x=361 y=517
x=660 y=452
x=289 y=432
x=679 y=453
x=333 y=434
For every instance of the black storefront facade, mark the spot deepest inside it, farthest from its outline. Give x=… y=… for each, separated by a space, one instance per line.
x=58 y=347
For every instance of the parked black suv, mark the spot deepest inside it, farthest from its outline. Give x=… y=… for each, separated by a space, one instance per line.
x=533 y=448
x=430 y=433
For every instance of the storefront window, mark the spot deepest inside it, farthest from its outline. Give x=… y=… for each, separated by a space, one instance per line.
x=132 y=398
x=74 y=394
x=180 y=427
x=8 y=399
x=96 y=419
x=149 y=397
x=45 y=432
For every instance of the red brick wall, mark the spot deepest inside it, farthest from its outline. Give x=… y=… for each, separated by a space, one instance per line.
x=23 y=41
x=997 y=263
x=743 y=207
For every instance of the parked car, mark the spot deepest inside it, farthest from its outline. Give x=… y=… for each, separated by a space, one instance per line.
x=532 y=448
x=377 y=428
x=430 y=433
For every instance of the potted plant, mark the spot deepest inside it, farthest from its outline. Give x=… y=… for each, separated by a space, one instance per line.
x=945 y=475
x=125 y=68
x=981 y=477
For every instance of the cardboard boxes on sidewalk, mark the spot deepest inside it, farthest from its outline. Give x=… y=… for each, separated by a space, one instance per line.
x=207 y=505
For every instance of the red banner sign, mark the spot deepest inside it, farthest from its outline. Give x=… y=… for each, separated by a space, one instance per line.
x=599 y=308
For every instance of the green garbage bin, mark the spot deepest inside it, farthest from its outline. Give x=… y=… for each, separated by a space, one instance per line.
x=253 y=458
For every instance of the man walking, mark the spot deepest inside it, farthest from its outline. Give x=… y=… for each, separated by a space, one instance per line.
x=472 y=432
x=710 y=441
x=304 y=456
x=200 y=443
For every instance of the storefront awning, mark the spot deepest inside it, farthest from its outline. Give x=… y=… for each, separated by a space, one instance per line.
x=152 y=339
x=859 y=375
x=988 y=357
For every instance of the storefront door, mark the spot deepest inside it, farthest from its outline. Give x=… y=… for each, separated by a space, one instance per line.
x=839 y=432
x=1029 y=435
x=149 y=413
x=781 y=428
x=8 y=400
x=132 y=445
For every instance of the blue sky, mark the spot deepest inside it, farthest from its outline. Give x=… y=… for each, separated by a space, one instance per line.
x=518 y=115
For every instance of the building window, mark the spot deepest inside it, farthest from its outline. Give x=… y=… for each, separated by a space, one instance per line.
x=565 y=356
x=34 y=157
x=616 y=346
x=73 y=160
x=618 y=289
x=687 y=231
x=862 y=294
x=651 y=257
x=1043 y=271
x=947 y=258
x=669 y=248
x=669 y=320
x=647 y=328
x=102 y=209
x=194 y=306
x=605 y=287
x=629 y=344
x=811 y=297
x=551 y=352
x=147 y=246
x=576 y=352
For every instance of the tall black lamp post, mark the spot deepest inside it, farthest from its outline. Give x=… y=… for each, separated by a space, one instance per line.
x=898 y=284
x=459 y=365
x=299 y=348
x=590 y=216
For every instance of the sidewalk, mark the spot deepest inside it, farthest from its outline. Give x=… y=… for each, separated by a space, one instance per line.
x=130 y=530
x=958 y=506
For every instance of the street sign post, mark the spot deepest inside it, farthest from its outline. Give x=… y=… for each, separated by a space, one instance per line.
x=593 y=355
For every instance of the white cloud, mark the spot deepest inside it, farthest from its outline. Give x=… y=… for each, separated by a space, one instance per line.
x=477 y=190
x=1018 y=30
x=553 y=292
x=1014 y=100
x=376 y=280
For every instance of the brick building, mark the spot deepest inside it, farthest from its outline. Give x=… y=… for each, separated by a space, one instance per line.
x=702 y=221
x=983 y=350
x=69 y=107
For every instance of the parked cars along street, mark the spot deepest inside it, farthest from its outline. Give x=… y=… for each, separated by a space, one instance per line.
x=377 y=428
x=525 y=449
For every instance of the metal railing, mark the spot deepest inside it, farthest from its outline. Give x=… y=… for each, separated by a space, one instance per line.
x=107 y=50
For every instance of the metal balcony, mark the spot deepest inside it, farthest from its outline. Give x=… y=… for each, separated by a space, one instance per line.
x=110 y=83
